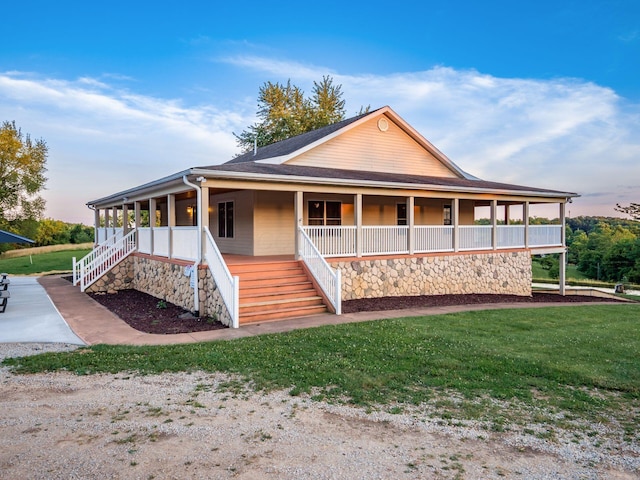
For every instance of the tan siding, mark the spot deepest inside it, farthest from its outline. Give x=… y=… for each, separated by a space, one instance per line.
x=274 y=223
x=430 y=211
x=367 y=148
x=380 y=210
x=242 y=241
x=467 y=212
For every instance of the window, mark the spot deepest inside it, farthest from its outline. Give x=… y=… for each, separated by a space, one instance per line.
x=401 y=214
x=225 y=220
x=447 y=215
x=324 y=213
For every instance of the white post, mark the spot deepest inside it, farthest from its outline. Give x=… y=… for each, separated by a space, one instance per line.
x=494 y=224
x=298 y=207
x=525 y=218
x=411 y=224
x=456 y=233
x=563 y=255
x=357 y=213
x=152 y=221
x=171 y=222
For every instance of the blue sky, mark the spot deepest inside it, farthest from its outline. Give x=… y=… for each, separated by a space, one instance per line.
x=538 y=93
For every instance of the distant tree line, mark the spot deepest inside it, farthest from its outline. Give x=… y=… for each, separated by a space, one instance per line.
x=601 y=248
x=605 y=248
x=48 y=232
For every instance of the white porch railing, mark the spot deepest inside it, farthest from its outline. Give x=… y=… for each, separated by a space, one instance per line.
x=228 y=285
x=475 y=237
x=385 y=240
x=102 y=259
x=334 y=241
x=184 y=243
x=328 y=279
x=102 y=234
x=545 y=235
x=144 y=240
x=510 y=236
x=161 y=241
x=437 y=238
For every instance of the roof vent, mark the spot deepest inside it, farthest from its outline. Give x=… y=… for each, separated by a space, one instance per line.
x=383 y=125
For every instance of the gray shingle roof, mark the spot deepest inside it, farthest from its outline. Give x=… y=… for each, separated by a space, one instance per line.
x=366 y=176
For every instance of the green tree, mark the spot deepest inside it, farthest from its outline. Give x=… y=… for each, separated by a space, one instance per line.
x=52 y=232
x=283 y=112
x=22 y=167
x=79 y=233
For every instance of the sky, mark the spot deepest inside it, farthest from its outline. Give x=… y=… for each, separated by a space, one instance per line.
x=538 y=93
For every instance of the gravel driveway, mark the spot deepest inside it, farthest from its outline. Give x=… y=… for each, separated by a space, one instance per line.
x=62 y=426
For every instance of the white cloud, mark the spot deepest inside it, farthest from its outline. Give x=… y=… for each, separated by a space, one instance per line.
x=102 y=140
x=560 y=133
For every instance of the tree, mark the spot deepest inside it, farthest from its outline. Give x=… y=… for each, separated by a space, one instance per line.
x=284 y=112
x=632 y=210
x=22 y=167
x=52 y=232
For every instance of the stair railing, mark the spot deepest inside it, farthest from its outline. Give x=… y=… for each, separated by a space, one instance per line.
x=103 y=258
x=328 y=278
x=96 y=252
x=228 y=285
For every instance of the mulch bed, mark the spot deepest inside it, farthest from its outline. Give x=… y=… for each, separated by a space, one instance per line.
x=142 y=311
x=400 y=303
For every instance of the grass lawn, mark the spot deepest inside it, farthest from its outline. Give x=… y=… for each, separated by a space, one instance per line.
x=42 y=262
x=581 y=361
x=541 y=273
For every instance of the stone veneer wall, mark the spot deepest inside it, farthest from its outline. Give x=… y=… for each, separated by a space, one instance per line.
x=164 y=280
x=211 y=300
x=119 y=277
x=495 y=272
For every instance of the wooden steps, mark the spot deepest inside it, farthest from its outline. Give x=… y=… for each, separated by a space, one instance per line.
x=275 y=290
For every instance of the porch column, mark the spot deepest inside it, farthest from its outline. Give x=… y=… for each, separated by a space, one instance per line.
x=96 y=228
x=411 y=223
x=204 y=217
x=115 y=219
x=563 y=254
x=171 y=222
x=525 y=220
x=298 y=209
x=204 y=224
x=456 y=231
x=357 y=214
x=125 y=219
x=106 y=221
x=494 y=224
x=136 y=215
x=152 y=222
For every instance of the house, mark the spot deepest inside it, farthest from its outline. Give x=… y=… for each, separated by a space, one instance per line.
x=366 y=207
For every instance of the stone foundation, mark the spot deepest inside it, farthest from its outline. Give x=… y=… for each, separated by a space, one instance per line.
x=495 y=272
x=119 y=277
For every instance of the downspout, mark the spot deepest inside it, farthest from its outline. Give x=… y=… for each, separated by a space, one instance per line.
x=196 y=289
